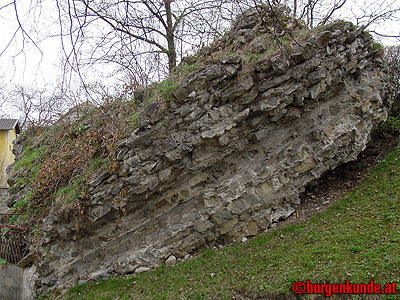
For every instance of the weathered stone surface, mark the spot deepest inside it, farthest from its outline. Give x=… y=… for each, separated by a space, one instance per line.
x=96 y=181
x=239 y=145
x=4 y=196
x=171 y=261
x=142 y=269
x=100 y=274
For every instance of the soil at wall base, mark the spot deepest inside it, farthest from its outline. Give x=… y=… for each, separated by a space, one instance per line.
x=319 y=195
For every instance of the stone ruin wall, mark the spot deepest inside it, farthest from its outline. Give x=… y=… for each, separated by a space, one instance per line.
x=227 y=158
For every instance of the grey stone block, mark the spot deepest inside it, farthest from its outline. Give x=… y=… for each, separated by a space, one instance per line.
x=7 y=293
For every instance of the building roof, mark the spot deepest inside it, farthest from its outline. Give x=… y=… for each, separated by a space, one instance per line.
x=9 y=124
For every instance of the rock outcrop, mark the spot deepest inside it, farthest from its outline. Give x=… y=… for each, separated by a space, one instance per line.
x=229 y=156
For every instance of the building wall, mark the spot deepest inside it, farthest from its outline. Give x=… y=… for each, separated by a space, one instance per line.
x=15 y=283
x=10 y=282
x=6 y=155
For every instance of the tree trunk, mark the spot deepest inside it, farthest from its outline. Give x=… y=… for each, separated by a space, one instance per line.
x=170 y=37
x=294 y=8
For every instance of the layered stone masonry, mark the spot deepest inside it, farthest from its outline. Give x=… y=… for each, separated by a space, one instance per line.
x=226 y=159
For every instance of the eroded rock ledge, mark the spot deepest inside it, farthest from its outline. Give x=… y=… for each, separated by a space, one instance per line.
x=231 y=154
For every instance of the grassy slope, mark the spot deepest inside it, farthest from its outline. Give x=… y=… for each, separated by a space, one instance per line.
x=358 y=238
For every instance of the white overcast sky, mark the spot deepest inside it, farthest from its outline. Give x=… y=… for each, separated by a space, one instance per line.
x=22 y=63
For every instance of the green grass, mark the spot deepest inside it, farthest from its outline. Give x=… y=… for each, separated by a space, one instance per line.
x=29 y=158
x=23 y=204
x=96 y=164
x=189 y=68
x=163 y=90
x=377 y=46
x=3 y=262
x=392 y=123
x=71 y=192
x=357 y=239
x=133 y=120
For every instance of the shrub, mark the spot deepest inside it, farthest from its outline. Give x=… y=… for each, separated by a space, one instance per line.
x=164 y=89
x=392 y=58
x=62 y=159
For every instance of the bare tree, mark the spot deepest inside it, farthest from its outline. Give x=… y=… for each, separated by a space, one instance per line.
x=3 y=100
x=316 y=12
x=365 y=13
x=145 y=39
x=36 y=106
x=139 y=33
x=13 y=8
x=374 y=15
x=392 y=57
